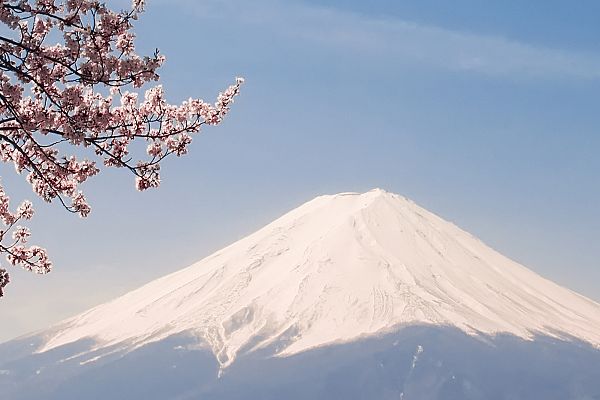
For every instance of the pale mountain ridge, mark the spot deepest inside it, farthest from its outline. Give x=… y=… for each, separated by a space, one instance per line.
x=336 y=269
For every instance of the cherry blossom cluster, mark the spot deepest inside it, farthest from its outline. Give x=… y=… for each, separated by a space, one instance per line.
x=15 y=247
x=68 y=79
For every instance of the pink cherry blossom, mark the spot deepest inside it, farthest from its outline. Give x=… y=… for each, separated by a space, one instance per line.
x=80 y=94
x=20 y=234
x=4 y=280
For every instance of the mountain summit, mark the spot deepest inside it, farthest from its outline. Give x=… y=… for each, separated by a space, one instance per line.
x=349 y=296
x=336 y=269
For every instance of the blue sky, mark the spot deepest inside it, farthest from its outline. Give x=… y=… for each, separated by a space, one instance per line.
x=483 y=112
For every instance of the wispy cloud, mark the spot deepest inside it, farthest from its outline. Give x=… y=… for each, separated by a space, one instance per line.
x=403 y=41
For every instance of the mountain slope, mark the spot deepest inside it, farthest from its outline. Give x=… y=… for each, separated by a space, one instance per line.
x=336 y=269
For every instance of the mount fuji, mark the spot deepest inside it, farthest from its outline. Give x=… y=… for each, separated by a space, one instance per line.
x=354 y=296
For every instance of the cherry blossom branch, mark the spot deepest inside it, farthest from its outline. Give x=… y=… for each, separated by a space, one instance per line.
x=50 y=103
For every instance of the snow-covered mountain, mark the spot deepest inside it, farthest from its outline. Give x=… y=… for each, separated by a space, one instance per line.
x=338 y=270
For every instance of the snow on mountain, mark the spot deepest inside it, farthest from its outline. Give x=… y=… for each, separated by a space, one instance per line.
x=336 y=269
